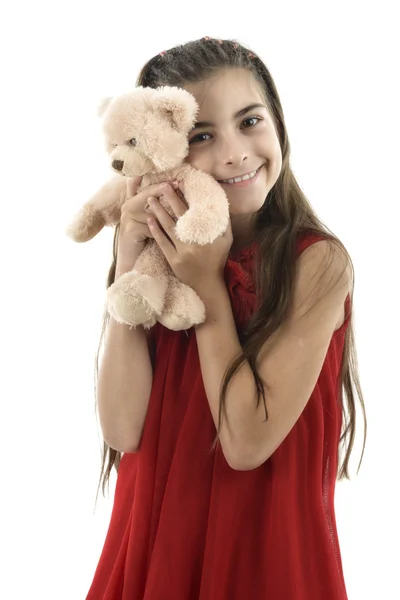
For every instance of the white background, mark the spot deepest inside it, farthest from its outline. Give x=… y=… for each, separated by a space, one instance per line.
x=335 y=69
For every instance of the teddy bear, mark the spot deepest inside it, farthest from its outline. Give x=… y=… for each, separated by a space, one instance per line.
x=146 y=134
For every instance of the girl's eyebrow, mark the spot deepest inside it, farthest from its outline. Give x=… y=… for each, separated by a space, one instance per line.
x=238 y=114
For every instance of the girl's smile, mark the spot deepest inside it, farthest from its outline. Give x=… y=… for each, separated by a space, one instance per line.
x=242 y=181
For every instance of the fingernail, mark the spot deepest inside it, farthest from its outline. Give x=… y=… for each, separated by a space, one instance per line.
x=175 y=184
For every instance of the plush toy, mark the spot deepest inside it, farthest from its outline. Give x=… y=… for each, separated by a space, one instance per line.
x=146 y=134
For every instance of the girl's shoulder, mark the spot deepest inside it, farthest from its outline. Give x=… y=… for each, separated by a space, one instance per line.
x=306 y=239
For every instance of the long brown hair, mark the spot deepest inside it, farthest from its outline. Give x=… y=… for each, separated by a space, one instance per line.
x=286 y=213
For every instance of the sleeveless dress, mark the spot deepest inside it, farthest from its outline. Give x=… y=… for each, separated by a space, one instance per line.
x=185 y=526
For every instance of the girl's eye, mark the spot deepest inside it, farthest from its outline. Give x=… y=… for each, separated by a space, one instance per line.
x=199 y=138
x=203 y=137
x=252 y=120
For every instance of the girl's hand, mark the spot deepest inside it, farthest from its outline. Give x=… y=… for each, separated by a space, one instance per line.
x=196 y=266
x=134 y=229
x=133 y=211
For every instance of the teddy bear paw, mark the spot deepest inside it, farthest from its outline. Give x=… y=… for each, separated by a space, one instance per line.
x=136 y=299
x=199 y=229
x=85 y=225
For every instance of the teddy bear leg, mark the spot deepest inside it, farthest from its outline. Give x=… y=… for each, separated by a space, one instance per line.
x=128 y=299
x=137 y=297
x=183 y=308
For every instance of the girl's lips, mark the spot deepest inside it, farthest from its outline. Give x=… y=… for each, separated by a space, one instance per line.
x=246 y=183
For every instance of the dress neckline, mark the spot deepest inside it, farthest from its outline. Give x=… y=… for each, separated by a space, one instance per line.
x=246 y=252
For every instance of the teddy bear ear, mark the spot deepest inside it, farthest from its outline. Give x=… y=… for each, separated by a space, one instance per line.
x=101 y=109
x=178 y=105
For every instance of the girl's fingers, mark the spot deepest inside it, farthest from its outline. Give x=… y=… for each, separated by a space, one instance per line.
x=137 y=202
x=174 y=201
x=147 y=208
x=156 y=189
x=164 y=219
x=162 y=239
x=132 y=186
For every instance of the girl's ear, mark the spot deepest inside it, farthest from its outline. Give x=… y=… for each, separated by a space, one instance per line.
x=178 y=105
x=101 y=109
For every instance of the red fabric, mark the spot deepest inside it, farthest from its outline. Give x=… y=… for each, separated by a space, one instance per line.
x=185 y=526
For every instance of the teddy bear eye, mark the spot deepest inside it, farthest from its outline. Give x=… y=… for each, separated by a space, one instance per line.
x=132 y=142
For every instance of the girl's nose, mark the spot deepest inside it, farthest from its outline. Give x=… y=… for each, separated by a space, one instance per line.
x=233 y=152
x=236 y=159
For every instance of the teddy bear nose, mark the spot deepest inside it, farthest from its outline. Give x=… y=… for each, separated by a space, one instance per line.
x=118 y=165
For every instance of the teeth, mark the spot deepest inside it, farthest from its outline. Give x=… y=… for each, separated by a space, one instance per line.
x=238 y=179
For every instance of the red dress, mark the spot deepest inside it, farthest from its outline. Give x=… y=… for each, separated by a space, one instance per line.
x=185 y=526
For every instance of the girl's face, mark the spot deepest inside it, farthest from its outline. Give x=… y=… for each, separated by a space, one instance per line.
x=235 y=137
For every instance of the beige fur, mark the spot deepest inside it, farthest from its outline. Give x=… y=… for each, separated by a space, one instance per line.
x=159 y=121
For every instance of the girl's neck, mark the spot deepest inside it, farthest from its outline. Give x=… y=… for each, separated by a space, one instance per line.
x=243 y=235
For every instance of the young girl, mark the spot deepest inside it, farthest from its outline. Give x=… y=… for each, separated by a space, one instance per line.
x=230 y=431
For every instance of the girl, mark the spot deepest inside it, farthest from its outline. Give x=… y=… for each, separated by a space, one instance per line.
x=229 y=432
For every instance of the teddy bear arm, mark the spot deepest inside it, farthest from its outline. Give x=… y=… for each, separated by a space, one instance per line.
x=202 y=191
x=208 y=214
x=108 y=200
x=103 y=208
